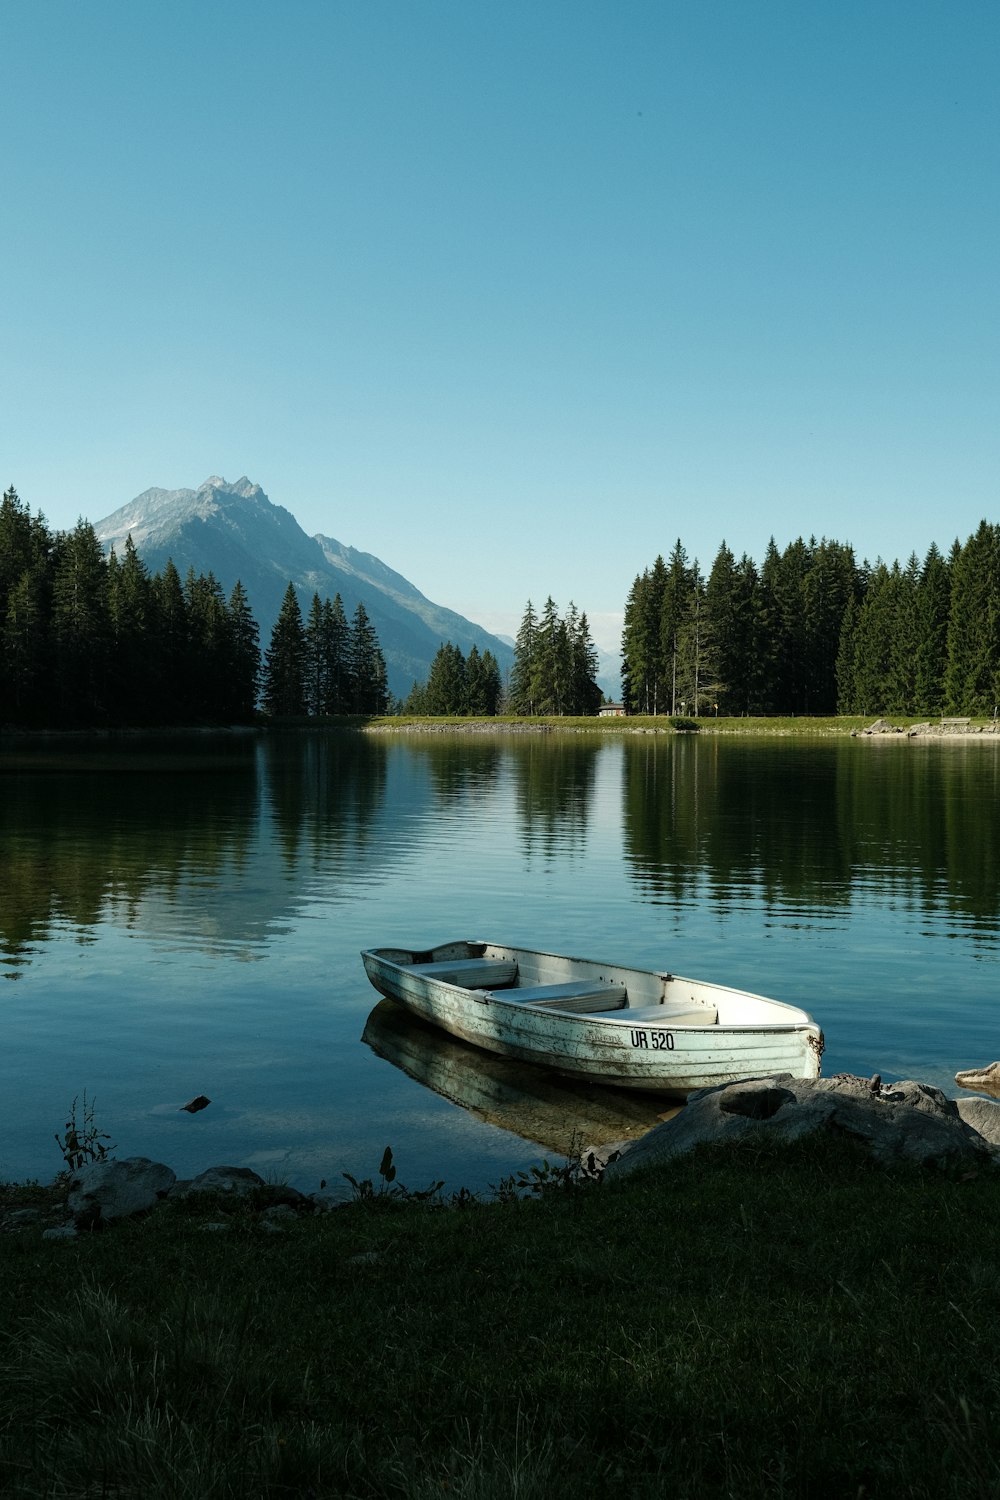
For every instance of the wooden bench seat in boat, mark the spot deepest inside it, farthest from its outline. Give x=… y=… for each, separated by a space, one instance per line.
x=582 y=996
x=471 y=973
x=674 y=1013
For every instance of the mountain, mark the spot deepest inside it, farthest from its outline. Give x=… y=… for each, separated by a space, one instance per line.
x=236 y=532
x=609 y=674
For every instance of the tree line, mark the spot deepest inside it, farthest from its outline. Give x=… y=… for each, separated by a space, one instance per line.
x=812 y=631
x=554 y=671
x=92 y=640
x=555 y=663
x=458 y=685
x=325 y=665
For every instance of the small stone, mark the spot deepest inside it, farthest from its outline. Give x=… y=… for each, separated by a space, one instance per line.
x=20 y=1218
x=60 y=1232
x=325 y=1203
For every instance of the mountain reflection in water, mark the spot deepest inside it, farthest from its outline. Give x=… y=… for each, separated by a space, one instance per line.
x=527 y=1100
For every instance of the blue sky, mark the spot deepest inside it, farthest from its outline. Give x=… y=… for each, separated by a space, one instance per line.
x=510 y=294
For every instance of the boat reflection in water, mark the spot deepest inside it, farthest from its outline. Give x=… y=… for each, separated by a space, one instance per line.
x=539 y=1106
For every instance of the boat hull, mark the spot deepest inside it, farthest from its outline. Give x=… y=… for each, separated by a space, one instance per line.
x=638 y=1044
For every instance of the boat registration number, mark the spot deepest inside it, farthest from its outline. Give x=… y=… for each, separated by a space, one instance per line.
x=655 y=1041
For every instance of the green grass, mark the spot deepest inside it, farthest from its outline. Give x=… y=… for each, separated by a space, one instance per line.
x=763 y=1321
x=662 y=723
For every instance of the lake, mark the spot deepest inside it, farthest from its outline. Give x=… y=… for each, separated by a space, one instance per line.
x=184 y=917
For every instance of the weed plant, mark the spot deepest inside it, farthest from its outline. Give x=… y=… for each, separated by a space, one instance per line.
x=761 y=1321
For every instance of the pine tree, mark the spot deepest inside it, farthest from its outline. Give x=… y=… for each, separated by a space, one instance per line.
x=522 y=677
x=367 y=666
x=317 y=658
x=585 y=695
x=933 y=608
x=901 y=689
x=336 y=634
x=244 y=648
x=210 y=654
x=283 y=689
x=830 y=583
x=873 y=643
x=81 y=626
x=846 y=665
x=171 y=653
x=483 y=686
x=25 y=650
x=26 y=547
x=673 y=675
x=548 y=683
x=446 y=690
x=131 y=610
x=637 y=644
x=972 y=678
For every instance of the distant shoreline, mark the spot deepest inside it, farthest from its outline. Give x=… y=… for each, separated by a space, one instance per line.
x=848 y=728
x=20 y=737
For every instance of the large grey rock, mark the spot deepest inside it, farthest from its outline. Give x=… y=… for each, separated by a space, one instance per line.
x=905 y=1121
x=106 y=1190
x=983 y=1080
x=236 y=1181
x=983 y=1115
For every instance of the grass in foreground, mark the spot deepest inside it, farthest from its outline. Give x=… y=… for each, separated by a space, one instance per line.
x=764 y=1321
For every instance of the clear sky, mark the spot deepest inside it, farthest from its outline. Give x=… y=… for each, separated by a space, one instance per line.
x=512 y=293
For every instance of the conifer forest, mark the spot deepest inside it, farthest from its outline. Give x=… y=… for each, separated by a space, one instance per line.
x=88 y=640
x=813 y=632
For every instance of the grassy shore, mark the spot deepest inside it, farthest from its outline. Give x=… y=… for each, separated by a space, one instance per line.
x=828 y=727
x=766 y=1321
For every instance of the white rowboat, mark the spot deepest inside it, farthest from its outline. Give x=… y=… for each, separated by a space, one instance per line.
x=632 y=1028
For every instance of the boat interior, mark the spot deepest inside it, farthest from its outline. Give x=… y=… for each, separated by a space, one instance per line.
x=585 y=996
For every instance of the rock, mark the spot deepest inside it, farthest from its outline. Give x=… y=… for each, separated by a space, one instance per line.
x=106 y=1190
x=282 y=1195
x=239 y=1181
x=982 y=1080
x=983 y=1115
x=336 y=1197
x=60 y=1232
x=593 y=1160
x=19 y=1218
x=905 y=1121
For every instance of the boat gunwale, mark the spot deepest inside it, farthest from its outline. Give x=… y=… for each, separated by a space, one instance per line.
x=616 y=1019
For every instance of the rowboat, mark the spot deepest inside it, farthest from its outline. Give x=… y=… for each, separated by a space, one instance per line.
x=631 y=1028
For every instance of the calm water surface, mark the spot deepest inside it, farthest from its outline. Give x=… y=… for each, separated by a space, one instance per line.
x=186 y=919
